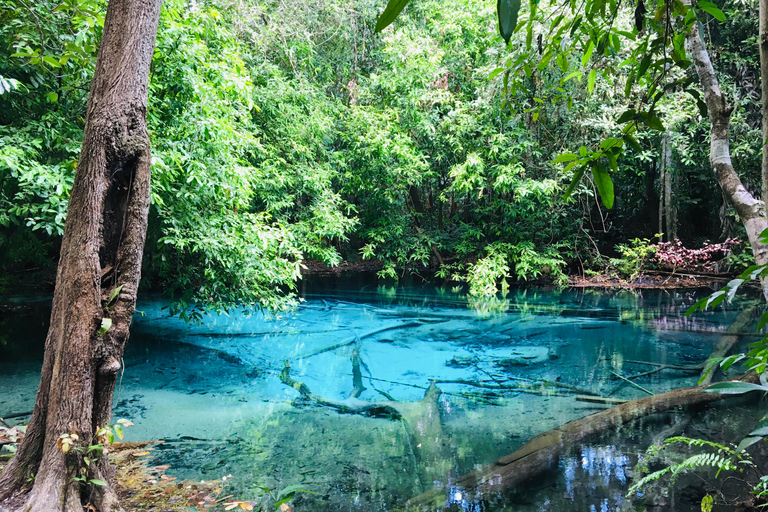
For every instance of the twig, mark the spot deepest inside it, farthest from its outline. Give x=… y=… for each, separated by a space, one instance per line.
x=356 y=338
x=638 y=386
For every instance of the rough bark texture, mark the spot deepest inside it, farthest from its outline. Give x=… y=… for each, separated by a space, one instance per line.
x=749 y=208
x=763 y=31
x=544 y=450
x=101 y=253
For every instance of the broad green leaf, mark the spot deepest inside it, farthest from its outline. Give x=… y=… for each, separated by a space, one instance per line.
x=567 y=157
x=702 y=108
x=762 y=431
x=494 y=73
x=643 y=66
x=733 y=287
x=391 y=11
x=653 y=122
x=747 y=442
x=604 y=184
x=626 y=116
x=711 y=9
x=96 y=481
x=734 y=388
x=507 y=11
x=575 y=182
x=633 y=142
x=730 y=360
x=587 y=54
x=591 y=81
x=51 y=61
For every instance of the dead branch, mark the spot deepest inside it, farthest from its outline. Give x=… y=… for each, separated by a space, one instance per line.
x=356 y=338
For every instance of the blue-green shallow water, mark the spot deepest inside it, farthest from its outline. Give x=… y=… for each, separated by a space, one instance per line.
x=212 y=391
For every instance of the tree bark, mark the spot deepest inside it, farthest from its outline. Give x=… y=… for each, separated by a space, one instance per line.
x=763 y=34
x=749 y=209
x=100 y=255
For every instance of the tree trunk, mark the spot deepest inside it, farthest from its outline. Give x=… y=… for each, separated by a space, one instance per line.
x=750 y=210
x=669 y=208
x=763 y=31
x=100 y=255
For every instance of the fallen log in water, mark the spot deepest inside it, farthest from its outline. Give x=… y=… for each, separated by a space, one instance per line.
x=422 y=421
x=541 y=452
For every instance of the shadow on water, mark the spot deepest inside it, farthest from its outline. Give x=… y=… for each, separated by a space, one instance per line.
x=509 y=369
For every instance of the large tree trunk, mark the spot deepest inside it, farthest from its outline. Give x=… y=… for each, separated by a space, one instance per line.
x=749 y=208
x=101 y=254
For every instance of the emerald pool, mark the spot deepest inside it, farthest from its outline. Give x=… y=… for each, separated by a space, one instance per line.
x=508 y=368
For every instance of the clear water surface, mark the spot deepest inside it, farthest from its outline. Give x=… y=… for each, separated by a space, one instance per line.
x=213 y=391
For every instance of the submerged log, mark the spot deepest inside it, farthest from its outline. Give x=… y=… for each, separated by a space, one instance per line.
x=422 y=422
x=541 y=452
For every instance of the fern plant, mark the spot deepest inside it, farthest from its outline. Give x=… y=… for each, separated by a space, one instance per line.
x=721 y=457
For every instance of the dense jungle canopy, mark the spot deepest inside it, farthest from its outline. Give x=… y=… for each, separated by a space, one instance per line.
x=289 y=133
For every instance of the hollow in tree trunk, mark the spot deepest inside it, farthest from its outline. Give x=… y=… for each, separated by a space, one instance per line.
x=97 y=278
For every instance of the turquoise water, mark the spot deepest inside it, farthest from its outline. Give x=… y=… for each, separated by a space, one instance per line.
x=213 y=391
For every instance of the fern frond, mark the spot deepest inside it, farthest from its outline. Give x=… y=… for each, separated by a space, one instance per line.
x=701 y=443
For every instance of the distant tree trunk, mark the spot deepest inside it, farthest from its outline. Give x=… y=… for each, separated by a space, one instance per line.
x=100 y=255
x=750 y=210
x=670 y=211
x=662 y=194
x=763 y=31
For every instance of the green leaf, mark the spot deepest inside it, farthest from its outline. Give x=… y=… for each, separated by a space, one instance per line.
x=507 y=11
x=106 y=323
x=51 y=61
x=591 y=81
x=114 y=294
x=653 y=122
x=391 y=11
x=587 y=54
x=604 y=184
x=702 y=108
x=762 y=431
x=711 y=9
x=95 y=481
x=494 y=73
x=734 y=388
x=747 y=442
x=633 y=142
x=643 y=66
x=566 y=157
x=575 y=182
x=733 y=287
x=626 y=116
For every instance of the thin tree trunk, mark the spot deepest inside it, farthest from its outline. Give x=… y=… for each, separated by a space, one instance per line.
x=750 y=210
x=662 y=179
x=763 y=31
x=669 y=209
x=100 y=255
